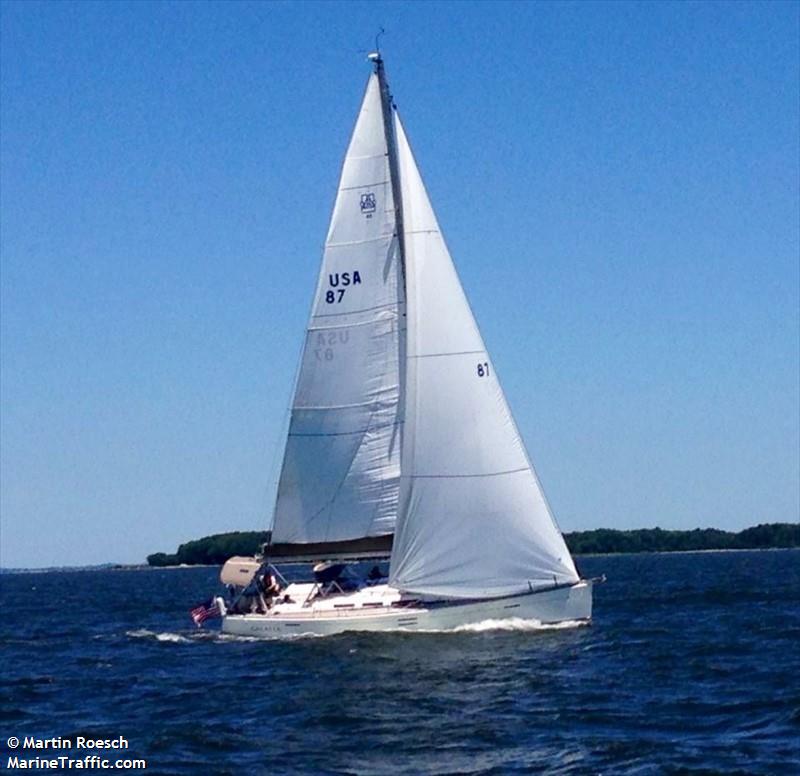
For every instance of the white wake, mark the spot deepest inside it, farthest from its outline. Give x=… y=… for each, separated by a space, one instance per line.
x=143 y=633
x=510 y=624
x=513 y=624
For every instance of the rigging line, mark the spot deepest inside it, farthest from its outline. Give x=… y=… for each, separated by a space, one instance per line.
x=460 y=476
x=276 y=472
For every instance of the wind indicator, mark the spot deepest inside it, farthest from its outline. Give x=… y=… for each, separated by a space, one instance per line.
x=375 y=56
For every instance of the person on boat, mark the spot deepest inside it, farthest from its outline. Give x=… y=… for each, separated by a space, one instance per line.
x=375 y=576
x=270 y=589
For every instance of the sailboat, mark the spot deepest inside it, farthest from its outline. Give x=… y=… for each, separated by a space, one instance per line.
x=401 y=443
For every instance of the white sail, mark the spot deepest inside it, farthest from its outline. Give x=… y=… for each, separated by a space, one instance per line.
x=341 y=467
x=473 y=519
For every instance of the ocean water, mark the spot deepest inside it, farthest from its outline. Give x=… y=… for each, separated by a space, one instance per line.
x=692 y=665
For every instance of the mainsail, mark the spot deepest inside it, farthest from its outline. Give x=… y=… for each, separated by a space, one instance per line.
x=341 y=468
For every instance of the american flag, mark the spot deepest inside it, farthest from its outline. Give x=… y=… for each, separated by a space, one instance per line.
x=205 y=611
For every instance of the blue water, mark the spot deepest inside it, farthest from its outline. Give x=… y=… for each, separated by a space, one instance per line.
x=692 y=666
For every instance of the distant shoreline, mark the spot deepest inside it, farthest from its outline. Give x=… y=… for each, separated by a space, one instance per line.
x=686 y=552
x=216 y=549
x=184 y=566
x=106 y=567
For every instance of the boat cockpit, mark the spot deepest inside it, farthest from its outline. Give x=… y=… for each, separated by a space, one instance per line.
x=256 y=586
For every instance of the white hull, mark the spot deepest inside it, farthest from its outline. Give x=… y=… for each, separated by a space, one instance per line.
x=386 y=610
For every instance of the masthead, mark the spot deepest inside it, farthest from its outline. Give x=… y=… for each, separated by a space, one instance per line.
x=375 y=56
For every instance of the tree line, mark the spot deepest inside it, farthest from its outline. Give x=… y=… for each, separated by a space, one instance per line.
x=216 y=549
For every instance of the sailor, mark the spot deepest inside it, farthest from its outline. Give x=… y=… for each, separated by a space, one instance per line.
x=270 y=588
x=374 y=576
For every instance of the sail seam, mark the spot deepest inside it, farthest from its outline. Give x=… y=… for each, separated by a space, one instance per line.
x=454 y=353
x=356 y=312
x=387 y=237
x=460 y=476
x=388 y=389
x=364 y=185
x=369 y=322
x=350 y=433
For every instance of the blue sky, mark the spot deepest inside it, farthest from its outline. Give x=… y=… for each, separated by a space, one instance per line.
x=618 y=184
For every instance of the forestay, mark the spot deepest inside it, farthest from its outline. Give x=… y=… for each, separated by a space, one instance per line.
x=341 y=467
x=473 y=519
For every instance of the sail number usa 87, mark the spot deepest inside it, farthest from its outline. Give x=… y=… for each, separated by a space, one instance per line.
x=338 y=282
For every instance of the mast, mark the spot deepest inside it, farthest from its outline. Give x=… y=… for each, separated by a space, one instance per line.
x=387 y=108
x=394 y=170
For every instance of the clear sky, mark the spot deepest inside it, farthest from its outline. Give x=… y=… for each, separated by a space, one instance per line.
x=618 y=184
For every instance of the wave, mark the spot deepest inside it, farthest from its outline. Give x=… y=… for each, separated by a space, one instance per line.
x=511 y=624
x=222 y=638
x=211 y=635
x=174 y=638
x=515 y=624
